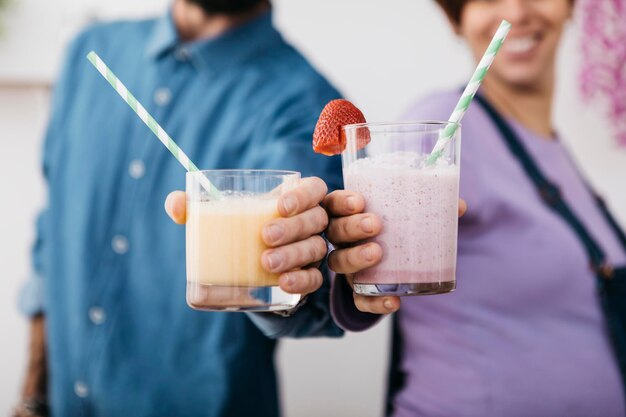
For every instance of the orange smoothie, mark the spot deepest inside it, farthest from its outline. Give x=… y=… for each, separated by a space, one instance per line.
x=224 y=243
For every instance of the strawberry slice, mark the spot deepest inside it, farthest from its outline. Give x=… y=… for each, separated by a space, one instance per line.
x=329 y=137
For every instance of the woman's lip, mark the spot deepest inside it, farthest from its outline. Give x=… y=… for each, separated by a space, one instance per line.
x=521 y=46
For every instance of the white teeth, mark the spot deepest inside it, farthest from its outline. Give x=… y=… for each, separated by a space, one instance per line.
x=519 y=45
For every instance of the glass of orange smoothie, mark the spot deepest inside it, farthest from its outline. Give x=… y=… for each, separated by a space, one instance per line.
x=224 y=243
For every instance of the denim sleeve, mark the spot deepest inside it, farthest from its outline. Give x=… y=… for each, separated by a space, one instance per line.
x=285 y=128
x=313 y=319
x=30 y=301
x=31 y=294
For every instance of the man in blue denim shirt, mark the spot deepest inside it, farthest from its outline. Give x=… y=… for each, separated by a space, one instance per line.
x=109 y=267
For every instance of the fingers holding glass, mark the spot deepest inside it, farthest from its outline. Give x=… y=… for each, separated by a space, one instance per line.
x=377 y=305
x=343 y=203
x=353 y=260
x=286 y=230
x=308 y=194
x=302 y=281
x=295 y=255
x=354 y=228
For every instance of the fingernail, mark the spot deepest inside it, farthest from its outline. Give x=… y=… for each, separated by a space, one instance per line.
x=274 y=232
x=274 y=260
x=388 y=304
x=289 y=280
x=351 y=203
x=367 y=254
x=289 y=204
x=168 y=204
x=367 y=225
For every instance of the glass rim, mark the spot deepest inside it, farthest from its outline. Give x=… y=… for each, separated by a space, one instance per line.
x=437 y=123
x=246 y=172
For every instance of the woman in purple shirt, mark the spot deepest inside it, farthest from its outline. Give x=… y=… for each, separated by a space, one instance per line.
x=524 y=334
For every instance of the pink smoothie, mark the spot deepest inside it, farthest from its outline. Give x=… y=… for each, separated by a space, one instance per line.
x=418 y=205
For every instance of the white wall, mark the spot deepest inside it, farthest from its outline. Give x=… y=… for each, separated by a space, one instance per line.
x=382 y=55
x=22 y=115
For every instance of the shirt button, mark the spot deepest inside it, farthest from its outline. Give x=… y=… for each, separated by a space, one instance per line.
x=162 y=96
x=120 y=244
x=97 y=315
x=182 y=54
x=136 y=169
x=80 y=389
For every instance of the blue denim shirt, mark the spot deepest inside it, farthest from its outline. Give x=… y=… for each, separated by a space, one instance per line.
x=109 y=265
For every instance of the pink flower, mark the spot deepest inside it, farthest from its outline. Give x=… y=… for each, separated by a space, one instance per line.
x=603 y=72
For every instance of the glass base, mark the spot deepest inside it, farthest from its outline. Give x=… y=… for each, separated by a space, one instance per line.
x=422 y=288
x=226 y=298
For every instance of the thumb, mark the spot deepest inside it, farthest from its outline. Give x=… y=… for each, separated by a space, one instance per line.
x=175 y=206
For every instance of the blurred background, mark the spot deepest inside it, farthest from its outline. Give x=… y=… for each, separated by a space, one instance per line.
x=381 y=55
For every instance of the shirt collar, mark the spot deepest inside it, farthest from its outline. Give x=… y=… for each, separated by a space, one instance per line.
x=235 y=46
x=163 y=38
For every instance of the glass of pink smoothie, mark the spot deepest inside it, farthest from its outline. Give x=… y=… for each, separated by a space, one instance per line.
x=224 y=243
x=417 y=202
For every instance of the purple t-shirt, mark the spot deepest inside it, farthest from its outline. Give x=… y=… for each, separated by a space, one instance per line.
x=523 y=334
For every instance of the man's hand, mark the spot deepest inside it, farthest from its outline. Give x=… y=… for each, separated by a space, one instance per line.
x=34 y=390
x=349 y=226
x=295 y=247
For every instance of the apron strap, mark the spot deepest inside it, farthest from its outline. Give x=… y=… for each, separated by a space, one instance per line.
x=610 y=283
x=396 y=377
x=611 y=220
x=549 y=193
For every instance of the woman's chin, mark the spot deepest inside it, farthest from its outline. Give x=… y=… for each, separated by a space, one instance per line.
x=524 y=78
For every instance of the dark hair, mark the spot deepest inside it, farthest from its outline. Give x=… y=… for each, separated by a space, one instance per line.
x=453 y=8
x=228 y=7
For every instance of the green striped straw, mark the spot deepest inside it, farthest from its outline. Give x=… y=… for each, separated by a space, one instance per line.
x=143 y=114
x=470 y=91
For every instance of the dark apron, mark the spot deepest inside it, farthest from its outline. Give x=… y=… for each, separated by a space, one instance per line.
x=610 y=281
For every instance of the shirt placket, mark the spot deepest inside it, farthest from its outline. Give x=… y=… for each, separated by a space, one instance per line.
x=101 y=311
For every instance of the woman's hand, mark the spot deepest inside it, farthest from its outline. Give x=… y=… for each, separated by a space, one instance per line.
x=347 y=228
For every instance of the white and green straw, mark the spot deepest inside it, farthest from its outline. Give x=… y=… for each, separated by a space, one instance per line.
x=143 y=114
x=470 y=91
